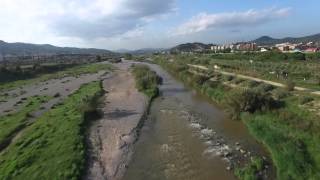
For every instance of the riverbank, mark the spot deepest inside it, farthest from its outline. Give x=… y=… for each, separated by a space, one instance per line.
x=272 y=127
x=112 y=137
x=52 y=146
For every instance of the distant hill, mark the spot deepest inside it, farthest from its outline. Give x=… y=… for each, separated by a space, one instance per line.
x=20 y=49
x=190 y=47
x=140 y=51
x=146 y=51
x=266 y=40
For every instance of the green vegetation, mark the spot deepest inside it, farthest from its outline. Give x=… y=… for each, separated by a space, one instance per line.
x=268 y=56
x=147 y=81
x=249 y=100
x=250 y=171
x=35 y=76
x=302 y=73
x=276 y=117
x=11 y=123
x=53 y=146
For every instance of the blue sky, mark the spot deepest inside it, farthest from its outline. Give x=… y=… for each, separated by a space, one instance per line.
x=134 y=24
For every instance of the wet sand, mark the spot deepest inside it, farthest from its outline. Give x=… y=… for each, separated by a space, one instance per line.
x=112 y=137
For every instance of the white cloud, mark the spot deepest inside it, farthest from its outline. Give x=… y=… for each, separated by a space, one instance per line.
x=38 y=20
x=252 y=17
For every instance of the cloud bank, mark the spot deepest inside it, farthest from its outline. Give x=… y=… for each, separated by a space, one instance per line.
x=83 y=19
x=204 y=21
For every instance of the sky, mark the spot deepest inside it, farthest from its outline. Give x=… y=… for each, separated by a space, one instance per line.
x=136 y=24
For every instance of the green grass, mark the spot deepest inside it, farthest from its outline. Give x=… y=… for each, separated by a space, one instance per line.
x=73 y=71
x=289 y=148
x=53 y=146
x=147 y=81
x=250 y=171
x=13 y=122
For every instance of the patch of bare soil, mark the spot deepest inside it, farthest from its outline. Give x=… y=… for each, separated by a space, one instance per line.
x=112 y=137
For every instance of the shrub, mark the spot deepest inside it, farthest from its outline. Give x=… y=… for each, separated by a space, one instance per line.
x=265 y=87
x=251 y=170
x=229 y=78
x=57 y=95
x=296 y=56
x=249 y=101
x=253 y=84
x=281 y=93
x=305 y=99
x=146 y=80
x=199 y=80
x=238 y=81
x=290 y=85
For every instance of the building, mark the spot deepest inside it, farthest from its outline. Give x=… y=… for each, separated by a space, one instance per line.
x=285 y=47
x=263 y=49
x=312 y=50
x=246 y=47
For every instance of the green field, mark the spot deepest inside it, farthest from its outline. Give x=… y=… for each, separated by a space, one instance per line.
x=53 y=146
x=303 y=73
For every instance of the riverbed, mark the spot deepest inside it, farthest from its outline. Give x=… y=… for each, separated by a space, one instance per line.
x=187 y=136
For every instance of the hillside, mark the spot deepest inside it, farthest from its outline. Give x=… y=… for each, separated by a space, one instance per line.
x=266 y=40
x=44 y=49
x=140 y=51
x=190 y=47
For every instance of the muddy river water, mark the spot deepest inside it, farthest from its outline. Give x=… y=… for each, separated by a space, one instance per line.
x=186 y=136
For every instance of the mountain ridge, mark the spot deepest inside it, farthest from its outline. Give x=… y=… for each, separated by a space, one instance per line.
x=21 y=49
x=267 y=40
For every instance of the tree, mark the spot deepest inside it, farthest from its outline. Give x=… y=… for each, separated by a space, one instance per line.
x=98 y=58
x=128 y=56
x=296 y=56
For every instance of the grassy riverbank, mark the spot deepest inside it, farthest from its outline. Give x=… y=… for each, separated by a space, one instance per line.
x=11 y=123
x=274 y=116
x=53 y=146
x=147 y=81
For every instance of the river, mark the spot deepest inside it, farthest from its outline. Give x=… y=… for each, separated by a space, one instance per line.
x=187 y=136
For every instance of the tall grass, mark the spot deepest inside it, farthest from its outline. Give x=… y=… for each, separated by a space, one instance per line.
x=147 y=81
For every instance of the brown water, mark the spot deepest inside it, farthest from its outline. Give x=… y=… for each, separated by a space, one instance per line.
x=178 y=140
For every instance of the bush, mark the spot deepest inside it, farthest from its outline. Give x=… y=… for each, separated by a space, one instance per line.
x=251 y=170
x=249 y=101
x=229 y=78
x=199 y=80
x=57 y=95
x=146 y=80
x=265 y=87
x=238 y=80
x=281 y=93
x=296 y=56
x=290 y=85
x=253 y=84
x=305 y=99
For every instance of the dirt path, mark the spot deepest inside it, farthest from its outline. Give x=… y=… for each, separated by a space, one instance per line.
x=311 y=91
x=112 y=137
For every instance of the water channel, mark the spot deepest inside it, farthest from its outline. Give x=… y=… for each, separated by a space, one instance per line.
x=187 y=136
